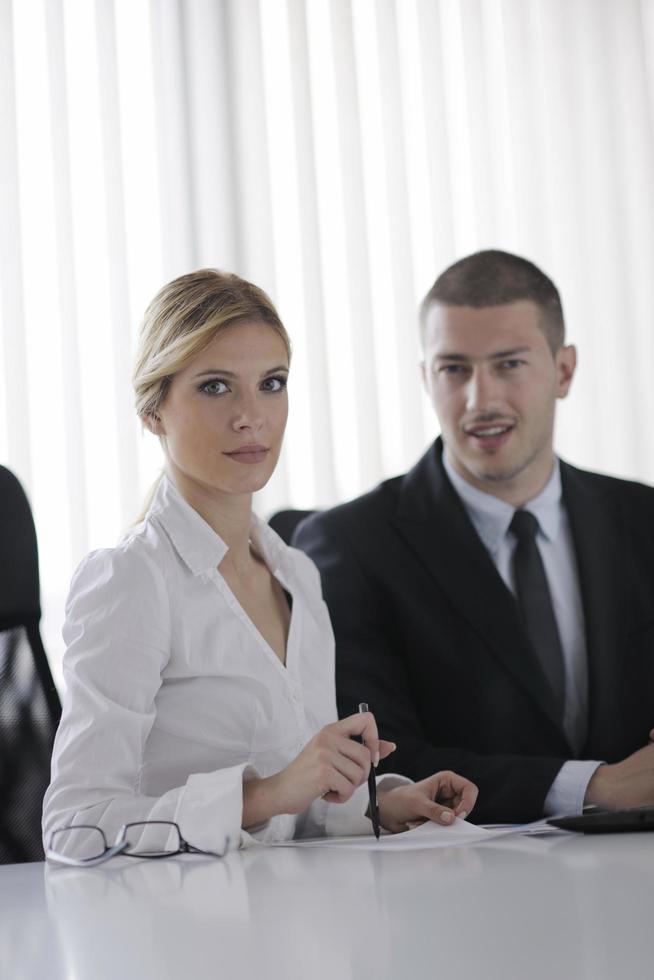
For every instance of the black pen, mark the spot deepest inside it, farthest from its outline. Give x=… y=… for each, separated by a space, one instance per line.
x=372 y=787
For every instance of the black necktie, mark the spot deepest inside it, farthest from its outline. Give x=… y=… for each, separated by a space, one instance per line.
x=535 y=602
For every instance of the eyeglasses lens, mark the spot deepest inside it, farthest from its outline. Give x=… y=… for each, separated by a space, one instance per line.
x=78 y=843
x=152 y=839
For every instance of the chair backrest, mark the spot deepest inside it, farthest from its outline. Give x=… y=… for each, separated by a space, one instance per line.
x=284 y=522
x=29 y=703
x=19 y=563
x=26 y=736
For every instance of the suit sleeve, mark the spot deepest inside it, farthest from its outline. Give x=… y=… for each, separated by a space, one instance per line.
x=371 y=665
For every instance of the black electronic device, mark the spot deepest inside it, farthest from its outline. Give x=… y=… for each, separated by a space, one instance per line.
x=608 y=821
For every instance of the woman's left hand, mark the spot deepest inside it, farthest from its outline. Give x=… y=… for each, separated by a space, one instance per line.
x=440 y=798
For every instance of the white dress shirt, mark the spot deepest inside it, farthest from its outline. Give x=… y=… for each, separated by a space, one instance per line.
x=173 y=697
x=491 y=518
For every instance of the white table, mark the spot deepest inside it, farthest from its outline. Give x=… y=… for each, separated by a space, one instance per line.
x=570 y=907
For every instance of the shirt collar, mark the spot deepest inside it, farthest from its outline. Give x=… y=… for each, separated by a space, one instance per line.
x=491 y=516
x=196 y=542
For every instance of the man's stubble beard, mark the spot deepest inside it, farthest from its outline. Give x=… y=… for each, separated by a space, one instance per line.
x=511 y=473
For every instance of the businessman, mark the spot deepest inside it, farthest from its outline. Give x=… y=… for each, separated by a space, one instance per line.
x=495 y=605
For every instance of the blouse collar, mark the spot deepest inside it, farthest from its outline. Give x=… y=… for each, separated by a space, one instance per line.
x=196 y=542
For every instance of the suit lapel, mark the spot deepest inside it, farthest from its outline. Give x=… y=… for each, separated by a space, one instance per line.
x=434 y=524
x=594 y=525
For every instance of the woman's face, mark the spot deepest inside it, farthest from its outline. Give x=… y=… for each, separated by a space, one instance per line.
x=224 y=415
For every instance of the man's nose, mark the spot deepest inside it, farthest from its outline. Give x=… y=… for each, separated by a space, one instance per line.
x=481 y=390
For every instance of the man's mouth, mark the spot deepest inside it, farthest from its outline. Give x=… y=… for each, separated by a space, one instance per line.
x=490 y=436
x=493 y=430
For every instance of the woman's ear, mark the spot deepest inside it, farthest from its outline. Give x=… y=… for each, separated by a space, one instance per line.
x=153 y=423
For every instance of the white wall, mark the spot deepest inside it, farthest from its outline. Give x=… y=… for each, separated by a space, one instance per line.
x=340 y=154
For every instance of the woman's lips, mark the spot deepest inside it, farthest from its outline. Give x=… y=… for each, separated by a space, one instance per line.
x=248 y=454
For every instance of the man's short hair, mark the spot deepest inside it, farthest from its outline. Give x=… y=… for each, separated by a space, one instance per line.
x=492 y=278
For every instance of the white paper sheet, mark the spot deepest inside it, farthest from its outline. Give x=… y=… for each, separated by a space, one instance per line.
x=427 y=835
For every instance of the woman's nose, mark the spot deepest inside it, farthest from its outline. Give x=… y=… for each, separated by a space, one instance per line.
x=247 y=414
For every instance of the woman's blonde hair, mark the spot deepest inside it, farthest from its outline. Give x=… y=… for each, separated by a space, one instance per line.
x=183 y=318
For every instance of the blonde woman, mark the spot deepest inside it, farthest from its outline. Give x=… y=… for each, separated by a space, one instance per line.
x=200 y=657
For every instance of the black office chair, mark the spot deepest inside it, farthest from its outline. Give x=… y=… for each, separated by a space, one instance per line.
x=29 y=704
x=284 y=522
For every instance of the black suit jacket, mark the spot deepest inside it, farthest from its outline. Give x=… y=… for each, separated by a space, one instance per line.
x=429 y=635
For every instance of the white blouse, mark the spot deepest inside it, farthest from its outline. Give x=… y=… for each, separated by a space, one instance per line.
x=173 y=697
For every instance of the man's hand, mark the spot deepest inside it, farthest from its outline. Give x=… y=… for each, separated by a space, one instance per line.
x=624 y=784
x=440 y=798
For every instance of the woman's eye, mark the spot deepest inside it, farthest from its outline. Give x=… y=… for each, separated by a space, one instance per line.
x=214 y=387
x=273 y=384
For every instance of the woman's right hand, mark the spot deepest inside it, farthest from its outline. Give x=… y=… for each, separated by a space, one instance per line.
x=332 y=765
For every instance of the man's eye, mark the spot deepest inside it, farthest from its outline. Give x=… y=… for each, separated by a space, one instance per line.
x=273 y=384
x=214 y=387
x=453 y=368
x=511 y=363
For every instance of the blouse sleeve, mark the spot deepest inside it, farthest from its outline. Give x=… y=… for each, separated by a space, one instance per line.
x=321 y=818
x=117 y=634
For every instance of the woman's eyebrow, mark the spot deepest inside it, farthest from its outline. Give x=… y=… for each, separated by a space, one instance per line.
x=230 y=374
x=220 y=371
x=276 y=370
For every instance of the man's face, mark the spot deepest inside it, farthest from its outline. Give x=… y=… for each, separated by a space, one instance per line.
x=493 y=381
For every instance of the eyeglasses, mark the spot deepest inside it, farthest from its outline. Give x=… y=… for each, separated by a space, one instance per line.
x=84 y=845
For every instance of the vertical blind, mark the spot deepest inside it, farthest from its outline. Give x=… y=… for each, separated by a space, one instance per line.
x=339 y=153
